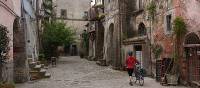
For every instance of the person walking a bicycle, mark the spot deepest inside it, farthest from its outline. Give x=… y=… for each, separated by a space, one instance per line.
x=130 y=65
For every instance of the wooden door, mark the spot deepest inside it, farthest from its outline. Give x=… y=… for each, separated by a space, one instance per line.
x=194 y=64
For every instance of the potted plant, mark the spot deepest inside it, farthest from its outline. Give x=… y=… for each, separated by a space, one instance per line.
x=179 y=31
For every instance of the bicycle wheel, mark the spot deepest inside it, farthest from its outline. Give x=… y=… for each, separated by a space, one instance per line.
x=141 y=81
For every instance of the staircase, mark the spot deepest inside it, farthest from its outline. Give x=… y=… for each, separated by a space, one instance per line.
x=38 y=70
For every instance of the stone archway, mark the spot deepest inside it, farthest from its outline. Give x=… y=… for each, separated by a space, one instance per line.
x=192 y=48
x=19 y=53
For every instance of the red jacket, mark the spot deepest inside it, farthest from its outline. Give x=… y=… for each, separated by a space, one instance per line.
x=130 y=62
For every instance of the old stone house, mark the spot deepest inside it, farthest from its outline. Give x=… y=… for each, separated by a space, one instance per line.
x=158 y=30
x=105 y=29
x=73 y=13
x=18 y=17
x=8 y=15
x=130 y=26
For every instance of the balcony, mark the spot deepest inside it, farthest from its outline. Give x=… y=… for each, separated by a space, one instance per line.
x=96 y=12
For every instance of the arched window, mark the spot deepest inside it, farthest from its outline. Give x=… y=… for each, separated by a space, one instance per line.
x=192 y=38
x=141 y=29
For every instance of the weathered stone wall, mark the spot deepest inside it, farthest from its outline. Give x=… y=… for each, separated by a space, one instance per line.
x=74 y=10
x=112 y=48
x=189 y=10
x=6 y=20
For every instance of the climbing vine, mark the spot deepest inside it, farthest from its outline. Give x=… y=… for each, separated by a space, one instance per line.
x=4 y=42
x=157 y=50
x=179 y=27
x=152 y=9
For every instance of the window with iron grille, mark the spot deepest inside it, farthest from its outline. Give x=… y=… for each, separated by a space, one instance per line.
x=63 y=13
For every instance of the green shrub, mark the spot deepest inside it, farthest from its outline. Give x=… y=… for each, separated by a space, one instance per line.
x=41 y=57
x=179 y=27
x=152 y=9
x=56 y=34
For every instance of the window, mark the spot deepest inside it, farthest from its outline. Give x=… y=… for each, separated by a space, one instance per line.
x=63 y=13
x=85 y=15
x=142 y=29
x=169 y=22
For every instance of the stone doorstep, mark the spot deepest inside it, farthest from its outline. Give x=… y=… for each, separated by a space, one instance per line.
x=195 y=84
x=43 y=70
x=38 y=67
x=45 y=67
x=42 y=65
x=47 y=75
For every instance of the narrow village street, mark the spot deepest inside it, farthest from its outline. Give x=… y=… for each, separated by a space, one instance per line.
x=73 y=72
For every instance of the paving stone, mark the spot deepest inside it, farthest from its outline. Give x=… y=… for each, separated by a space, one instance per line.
x=73 y=72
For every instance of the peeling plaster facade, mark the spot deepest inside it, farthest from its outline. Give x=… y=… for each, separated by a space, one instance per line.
x=8 y=15
x=126 y=32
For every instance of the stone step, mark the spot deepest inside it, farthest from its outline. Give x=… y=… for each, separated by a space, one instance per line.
x=32 y=64
x=38 y=67
x=34 y=75
x=43 y=72
x=47 y=75
x=42 y=65
x=46 y=67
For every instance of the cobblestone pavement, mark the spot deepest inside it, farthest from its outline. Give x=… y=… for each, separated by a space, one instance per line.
x=73 y=72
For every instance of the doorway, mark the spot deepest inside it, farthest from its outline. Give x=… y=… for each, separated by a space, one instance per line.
x=139 y=54
x=192 y=49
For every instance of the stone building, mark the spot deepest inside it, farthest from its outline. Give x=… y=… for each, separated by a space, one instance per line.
x=136 y=37
x=8 y=15
x=105 y=26
x=96 y=30
x=157 y=29
x=18 y=16
x=161 y=32
x=73 y=12
x=140 y=25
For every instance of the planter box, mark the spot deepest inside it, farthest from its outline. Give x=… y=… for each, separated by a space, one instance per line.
x=172 y=79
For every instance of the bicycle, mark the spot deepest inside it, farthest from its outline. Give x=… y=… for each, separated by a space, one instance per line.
x=139 y=74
